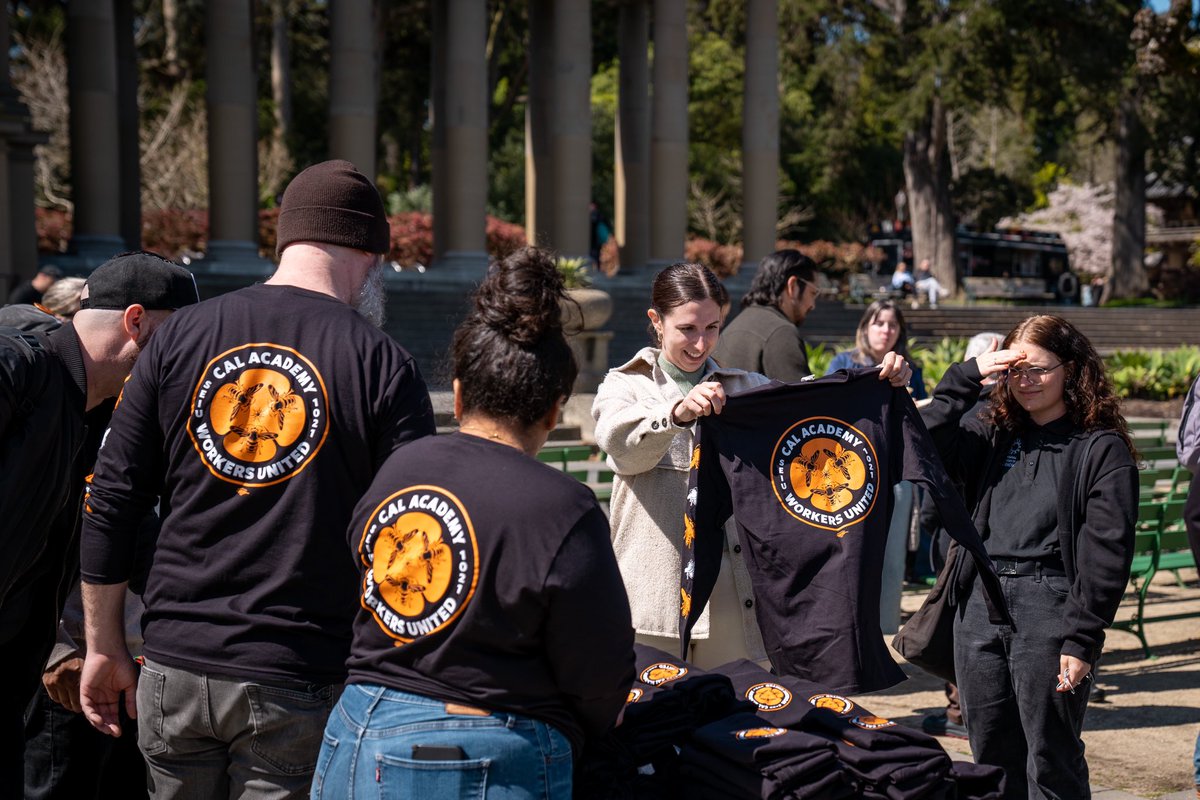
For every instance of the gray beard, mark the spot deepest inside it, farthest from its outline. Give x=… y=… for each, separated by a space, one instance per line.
x=372 y=297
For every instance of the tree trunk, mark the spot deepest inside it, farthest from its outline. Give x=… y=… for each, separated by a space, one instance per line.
x=281 y=72
x=1127 y=274
x=170 y=12
x=927 y=180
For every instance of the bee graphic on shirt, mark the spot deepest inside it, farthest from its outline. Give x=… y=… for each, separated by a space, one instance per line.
x=760 y=733
x=834 y=702
x=769 y=696
x=662 y=672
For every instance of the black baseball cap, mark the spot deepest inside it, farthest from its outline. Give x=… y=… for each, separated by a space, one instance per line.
x=139 y=278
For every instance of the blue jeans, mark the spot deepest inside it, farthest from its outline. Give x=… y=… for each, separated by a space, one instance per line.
x=1196 y=759
x=371 y=736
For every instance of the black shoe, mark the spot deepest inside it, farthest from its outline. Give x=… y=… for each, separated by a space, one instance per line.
x=940 y=725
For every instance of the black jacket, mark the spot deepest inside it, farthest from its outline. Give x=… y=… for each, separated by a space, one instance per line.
x=1096 y=519
x=43 y=395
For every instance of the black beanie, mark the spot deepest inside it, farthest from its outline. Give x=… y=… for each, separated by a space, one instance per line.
x=332 y=202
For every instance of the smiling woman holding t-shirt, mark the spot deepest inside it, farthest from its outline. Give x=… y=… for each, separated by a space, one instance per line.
x=494 y=634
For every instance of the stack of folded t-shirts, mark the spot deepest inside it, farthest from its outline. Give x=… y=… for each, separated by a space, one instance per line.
x=886 y=760
x=669 y=699
x=743 y=757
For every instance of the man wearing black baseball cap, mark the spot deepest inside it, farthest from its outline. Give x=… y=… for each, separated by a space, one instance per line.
x=53 y=389
x=260 y=417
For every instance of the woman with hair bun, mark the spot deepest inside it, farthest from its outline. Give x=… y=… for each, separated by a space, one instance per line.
x=646 y=412
x=494 y=635
x=1053 y=484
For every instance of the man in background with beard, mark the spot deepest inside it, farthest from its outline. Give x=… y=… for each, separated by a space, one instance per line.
x=256 y=420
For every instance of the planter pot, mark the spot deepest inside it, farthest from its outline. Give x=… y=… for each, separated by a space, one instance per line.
x=582 y=319
x=591 y=309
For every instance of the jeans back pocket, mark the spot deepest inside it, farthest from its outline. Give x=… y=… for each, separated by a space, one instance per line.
x=150 y=711
x=405 y=778
x=288 y=725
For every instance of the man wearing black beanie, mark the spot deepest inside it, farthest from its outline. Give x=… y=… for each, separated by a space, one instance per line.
x=258 y=417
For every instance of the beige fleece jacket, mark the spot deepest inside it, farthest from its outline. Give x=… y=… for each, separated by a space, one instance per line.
x=650 y=456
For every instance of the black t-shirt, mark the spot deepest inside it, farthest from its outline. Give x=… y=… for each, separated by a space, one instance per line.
x=1023 y=517
x=807 y=472
x=487 y=578
x=261 y=417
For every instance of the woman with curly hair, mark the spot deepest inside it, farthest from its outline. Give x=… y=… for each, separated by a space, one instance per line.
x=1049 y=473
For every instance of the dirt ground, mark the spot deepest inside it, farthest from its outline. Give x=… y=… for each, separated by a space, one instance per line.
x=1140 y=739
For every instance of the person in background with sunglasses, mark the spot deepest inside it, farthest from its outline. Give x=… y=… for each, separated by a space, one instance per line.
x=1052 y=483
x=765 y=336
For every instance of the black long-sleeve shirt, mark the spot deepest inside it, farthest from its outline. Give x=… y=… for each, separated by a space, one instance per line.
x=1093 y=523
x=260 y=416
x=488 y=579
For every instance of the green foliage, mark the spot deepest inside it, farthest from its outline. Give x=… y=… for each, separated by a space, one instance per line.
x=819 y=357
x=576 y=272
x=418 y=198
x=1153 y=374
x=1045 y=180
x=936 y=358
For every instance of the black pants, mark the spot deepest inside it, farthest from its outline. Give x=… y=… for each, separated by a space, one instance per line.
x=28 y=623
x=67 y=759
x=1007 y=676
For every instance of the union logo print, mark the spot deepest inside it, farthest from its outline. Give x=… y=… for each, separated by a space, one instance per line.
x=635 y=694
x=769 y=696
x=663 y=672
x=760 y=733
x=259 y=414
x=834 y=702
x=422 y=562
x=871 y=723
x=825 y=473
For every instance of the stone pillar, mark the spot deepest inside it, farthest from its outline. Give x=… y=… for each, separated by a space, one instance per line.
x=18 y=227
x=539 y=120
x=461 y=116
x=669 y=141
x=95 y=149
x=129 y=127
x=438 y=159
x=22 y=215
x=632 y=171
x=232 y=139
x=760 y=132
x=572 y=127
x=354 y=68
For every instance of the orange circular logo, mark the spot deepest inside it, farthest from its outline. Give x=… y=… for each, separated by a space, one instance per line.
x=658 y=674
x=769 y=696
x=421 y=560
x=870 y=723
x=634 y=695
x=833 y=702
x=259 y=414
x=825 y=473
x=760 y=733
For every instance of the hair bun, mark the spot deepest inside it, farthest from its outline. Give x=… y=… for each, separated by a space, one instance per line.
x=521 y=297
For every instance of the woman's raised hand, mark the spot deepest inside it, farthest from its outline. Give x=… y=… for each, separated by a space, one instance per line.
x=705 y=398
x=895 y=369
x=998 y=361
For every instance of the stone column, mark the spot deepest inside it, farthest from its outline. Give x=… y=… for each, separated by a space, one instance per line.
x=18 y=228
x=438 y=160
x=232 y=139
x=760 y=132
x=461 y=116
x=95 y=149
x=669 y=140
x=632 y=172
x=572 y=127
x=129 y=127
x=354 y=67
x=539 y=120
x=22 y=218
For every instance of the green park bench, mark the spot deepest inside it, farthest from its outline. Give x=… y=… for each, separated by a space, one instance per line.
x=1148 y=432
x=1015 y=289
x=582 y=462
x=1160 y=544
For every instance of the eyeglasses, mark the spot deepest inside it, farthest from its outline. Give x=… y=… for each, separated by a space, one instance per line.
x=1031 y=374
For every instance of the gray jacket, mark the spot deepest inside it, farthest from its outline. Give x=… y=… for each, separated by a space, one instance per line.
x=761 y=339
